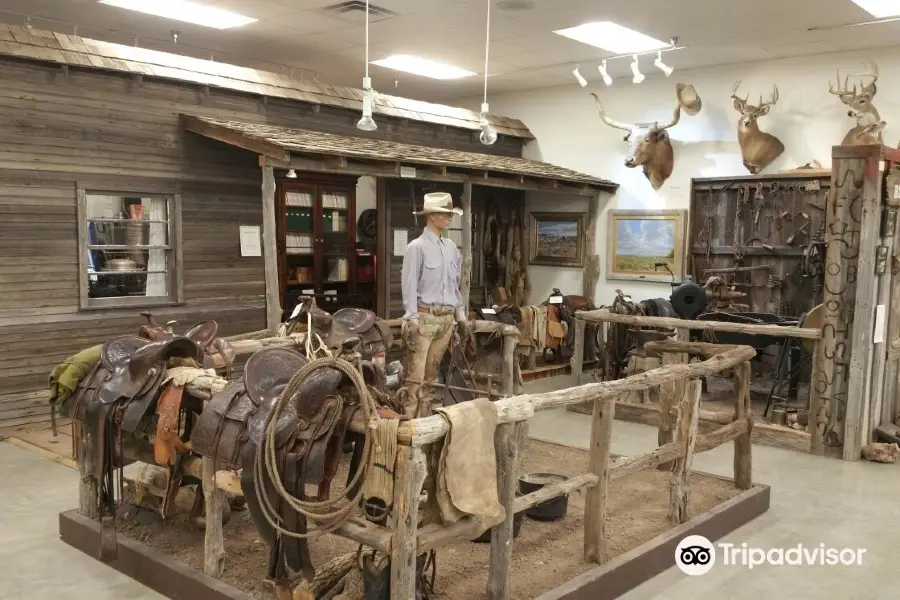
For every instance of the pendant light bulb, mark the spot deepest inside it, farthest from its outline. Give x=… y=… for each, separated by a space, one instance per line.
x=291 y=174
x=488 y=135
x=367 y=123
x=604 y=73
x=659 y=64
x=638 y=76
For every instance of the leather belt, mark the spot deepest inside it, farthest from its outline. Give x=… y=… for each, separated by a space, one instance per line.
x=437 y=310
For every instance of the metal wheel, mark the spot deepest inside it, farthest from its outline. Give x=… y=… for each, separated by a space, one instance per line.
x=367 y=225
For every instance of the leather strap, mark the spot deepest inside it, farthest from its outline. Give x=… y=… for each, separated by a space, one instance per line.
x=168 y=445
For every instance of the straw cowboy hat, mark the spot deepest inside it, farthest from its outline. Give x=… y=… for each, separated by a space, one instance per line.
x=688 y=98
x=438 y=202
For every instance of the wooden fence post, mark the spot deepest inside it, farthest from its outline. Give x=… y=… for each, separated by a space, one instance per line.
x=214 y=540
x=577 y=361
x=598 y=464
x=88 y=488
x=408 y=479
x=743 y=478
x=510 y=344
x=509 y=440
x=685 y=438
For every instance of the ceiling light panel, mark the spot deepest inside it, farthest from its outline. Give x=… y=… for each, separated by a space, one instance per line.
x=612 y=37
x=879 y=8
x=422 y=66
x=184 y=10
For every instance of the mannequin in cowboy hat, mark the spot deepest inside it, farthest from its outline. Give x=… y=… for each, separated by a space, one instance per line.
x=432 y=271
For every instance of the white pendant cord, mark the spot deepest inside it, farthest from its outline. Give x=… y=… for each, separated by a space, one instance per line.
x=487 y=44
x=367 y=40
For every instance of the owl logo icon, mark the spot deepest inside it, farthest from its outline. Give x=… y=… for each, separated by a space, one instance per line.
x=695 y=555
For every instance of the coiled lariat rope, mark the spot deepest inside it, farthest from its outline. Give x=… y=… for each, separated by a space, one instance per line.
x=266 y=462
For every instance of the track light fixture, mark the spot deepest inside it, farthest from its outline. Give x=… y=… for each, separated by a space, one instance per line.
x=659 y=64
x=603 y=73
x=581 y=80
x=638 y=76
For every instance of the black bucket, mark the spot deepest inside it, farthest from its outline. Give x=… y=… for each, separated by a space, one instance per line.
x=549 y=510
x=485 y=538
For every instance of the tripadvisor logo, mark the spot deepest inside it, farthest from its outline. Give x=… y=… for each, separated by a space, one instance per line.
x=696 y=555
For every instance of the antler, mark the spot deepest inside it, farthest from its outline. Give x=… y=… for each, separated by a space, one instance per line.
x=843 y=92
x=606 y=119
x=771 y=102
x=734 y=93
x=873 y=73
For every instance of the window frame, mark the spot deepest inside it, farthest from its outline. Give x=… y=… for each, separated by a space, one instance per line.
x=175 y=276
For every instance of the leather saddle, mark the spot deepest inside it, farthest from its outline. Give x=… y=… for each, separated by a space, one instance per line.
x=123 y=388
x=348 y=324
x=203 y=333
x=309 y=436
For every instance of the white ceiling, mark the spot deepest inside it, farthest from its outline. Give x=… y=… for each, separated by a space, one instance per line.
x=525 y=54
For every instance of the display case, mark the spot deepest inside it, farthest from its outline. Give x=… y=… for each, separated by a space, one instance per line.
x=317 y=254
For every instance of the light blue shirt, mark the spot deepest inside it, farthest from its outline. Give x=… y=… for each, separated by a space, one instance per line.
x=432 y=270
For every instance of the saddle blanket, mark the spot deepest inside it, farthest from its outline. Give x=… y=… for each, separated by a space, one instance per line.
x=66 y=376
x=467 y=472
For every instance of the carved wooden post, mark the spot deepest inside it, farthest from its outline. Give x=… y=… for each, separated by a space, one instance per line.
x=214 y=542
x=598 y=464
x=88 y=490
x=743 y=468
x=408 y=479
x=685 y=438
x=509 y=440
x=578 y=352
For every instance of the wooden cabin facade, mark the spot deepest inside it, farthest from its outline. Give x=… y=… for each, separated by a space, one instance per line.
x=92 y=127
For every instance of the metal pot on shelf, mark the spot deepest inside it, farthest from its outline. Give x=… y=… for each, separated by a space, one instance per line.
x=120 y=264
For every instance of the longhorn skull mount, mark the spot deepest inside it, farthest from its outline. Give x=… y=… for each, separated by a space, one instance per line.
x=649 y=143
x=758 y=148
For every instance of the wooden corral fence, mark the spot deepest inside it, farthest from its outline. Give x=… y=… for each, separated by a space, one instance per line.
x=404 y=540
x=818 y=422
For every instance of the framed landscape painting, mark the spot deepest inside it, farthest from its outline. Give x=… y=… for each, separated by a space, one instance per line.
x=557 y=240
x=646 y=245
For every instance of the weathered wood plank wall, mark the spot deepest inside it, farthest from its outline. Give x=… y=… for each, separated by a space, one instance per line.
x=724 y=224
x=64 y=128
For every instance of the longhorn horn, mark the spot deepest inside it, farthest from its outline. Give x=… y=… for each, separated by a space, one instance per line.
x=676 y=116
x=608 y=120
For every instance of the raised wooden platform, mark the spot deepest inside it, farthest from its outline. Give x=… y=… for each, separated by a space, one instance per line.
x=627 y=571
x=174 y=580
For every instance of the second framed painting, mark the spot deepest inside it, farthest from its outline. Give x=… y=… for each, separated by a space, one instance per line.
x=646 y=245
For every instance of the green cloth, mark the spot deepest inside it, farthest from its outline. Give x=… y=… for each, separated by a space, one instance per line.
x=66 y=376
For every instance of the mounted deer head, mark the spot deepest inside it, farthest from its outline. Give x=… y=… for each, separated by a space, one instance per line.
x=648 y=143
x=758 y=148
x=868 y=122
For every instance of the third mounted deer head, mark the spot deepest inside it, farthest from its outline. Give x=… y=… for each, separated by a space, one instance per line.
x=758 y=148
x=868 y=122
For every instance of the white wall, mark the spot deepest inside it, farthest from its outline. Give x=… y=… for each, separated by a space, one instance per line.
x=807 y=119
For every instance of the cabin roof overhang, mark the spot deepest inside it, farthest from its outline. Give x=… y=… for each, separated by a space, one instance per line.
x=76 y=51
x=309 y=150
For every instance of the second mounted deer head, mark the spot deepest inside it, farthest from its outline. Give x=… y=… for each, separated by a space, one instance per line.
x=868 y=122
x=758 y=148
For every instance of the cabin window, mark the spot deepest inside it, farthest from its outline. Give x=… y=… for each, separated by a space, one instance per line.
x=130 y=249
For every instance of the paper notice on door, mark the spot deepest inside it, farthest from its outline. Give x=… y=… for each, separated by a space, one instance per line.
x=400 y=242
x=879 y=325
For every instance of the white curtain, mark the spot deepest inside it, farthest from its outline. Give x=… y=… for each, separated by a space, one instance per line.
x=157 y=283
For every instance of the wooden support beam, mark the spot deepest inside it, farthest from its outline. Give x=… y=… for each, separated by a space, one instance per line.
x=466 y=250
x=554 y=490
x=704 y=349
x=591 y=273
x=685 y=438
x=598 y=464
x=409 y=476
x=743 y=463
x=509 y=441
x=270 y=250
x=600 y=316
x=233 y=138
x=88 y=486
